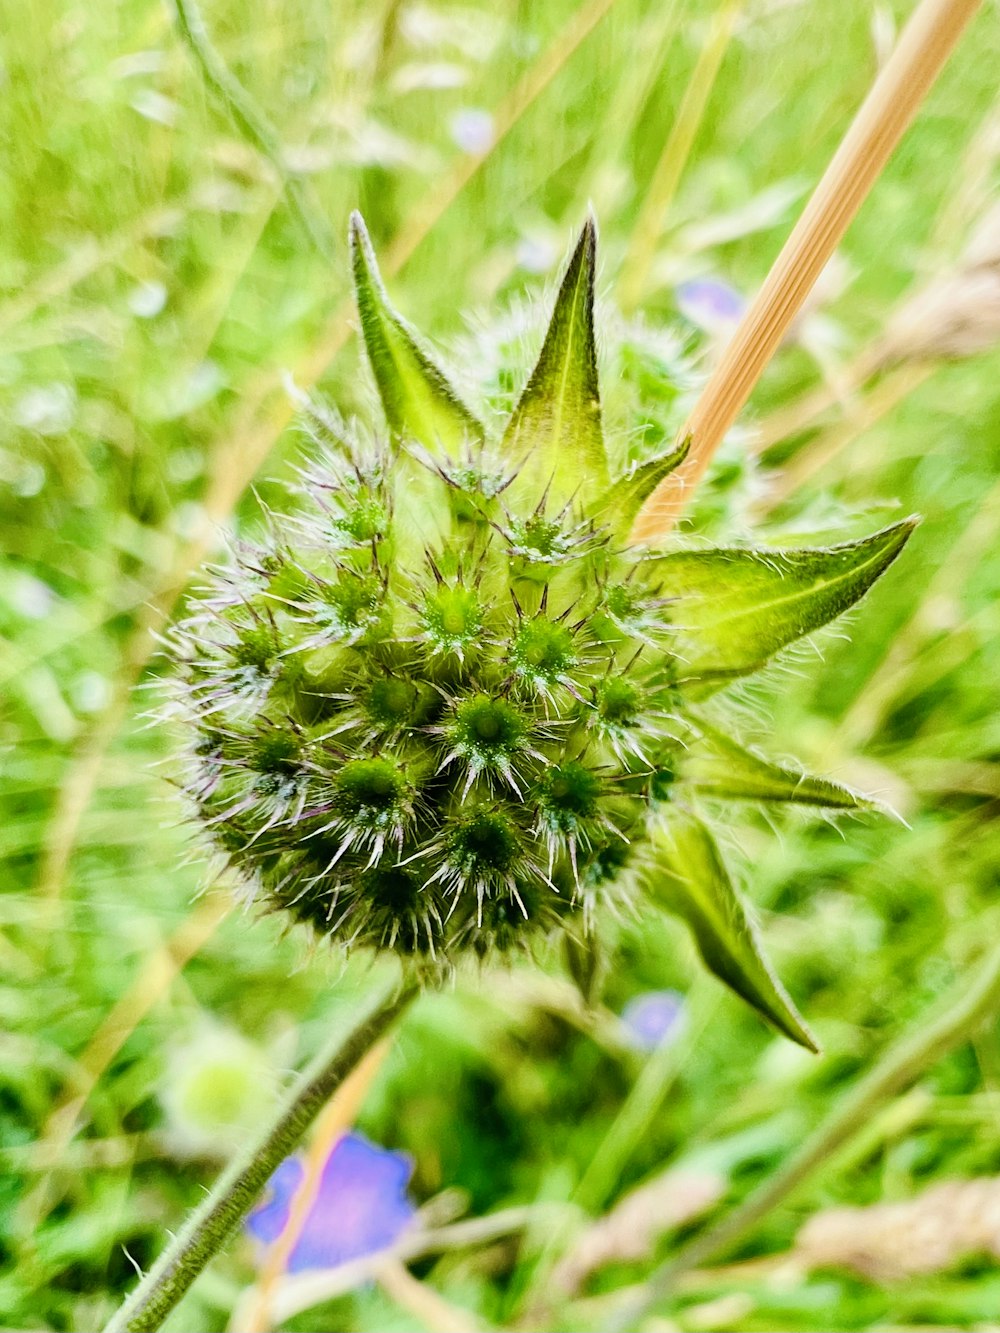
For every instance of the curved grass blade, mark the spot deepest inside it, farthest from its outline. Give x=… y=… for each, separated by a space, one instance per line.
x=689 y=878
x=716 y=765
x=557 y=420
x=419 y=402
x=736 y=607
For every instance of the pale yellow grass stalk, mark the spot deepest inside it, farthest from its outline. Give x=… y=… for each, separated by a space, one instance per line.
x=899 y=89
x=969 y=195
x=956 y=315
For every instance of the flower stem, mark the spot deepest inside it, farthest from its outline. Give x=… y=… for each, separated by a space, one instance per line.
x=928 y=1042
x=238 y=1188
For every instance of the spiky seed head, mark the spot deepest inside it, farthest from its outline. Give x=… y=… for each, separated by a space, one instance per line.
x=445 y=709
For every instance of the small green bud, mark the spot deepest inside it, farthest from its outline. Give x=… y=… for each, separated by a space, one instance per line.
x=275 y=757
x=619 y=702
x=364 y=520
x=351 y=609
x=390 y=702
x=567 y=798
x=217 y=1085
x=489 y=735
x=483 y=851
x=540 y=540
x=372 y=803
x=542 y=654
x=256 y=648
x=452 y=621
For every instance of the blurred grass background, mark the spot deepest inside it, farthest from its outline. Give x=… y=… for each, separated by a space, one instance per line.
x=155 y=286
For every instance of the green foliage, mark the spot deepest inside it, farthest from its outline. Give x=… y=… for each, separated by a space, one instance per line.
x=715 y=764
x=419 y=402
x=153 y=284
x=627 y=496
x=736 y=608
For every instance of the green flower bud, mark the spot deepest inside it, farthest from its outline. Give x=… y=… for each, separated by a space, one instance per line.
x=445 y=709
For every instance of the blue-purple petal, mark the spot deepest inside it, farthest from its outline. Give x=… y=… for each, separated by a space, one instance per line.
x=653 y=1018
x=709 y=303
x=361 y=1205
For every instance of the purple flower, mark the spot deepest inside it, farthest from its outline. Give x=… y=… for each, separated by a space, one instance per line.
x=713 y=305
x=361 y=1205
x=655 y=1017
x=472 y=130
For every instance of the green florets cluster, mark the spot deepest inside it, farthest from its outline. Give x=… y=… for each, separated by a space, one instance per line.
x=452 y=706
x=438 y=756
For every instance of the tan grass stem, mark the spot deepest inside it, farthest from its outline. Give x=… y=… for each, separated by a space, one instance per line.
x=890 y=106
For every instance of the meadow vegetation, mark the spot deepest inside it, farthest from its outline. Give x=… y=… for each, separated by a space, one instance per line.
x=173 y=267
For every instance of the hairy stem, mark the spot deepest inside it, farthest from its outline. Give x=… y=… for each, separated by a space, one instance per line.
x=927 y=1043
x=238 y=1188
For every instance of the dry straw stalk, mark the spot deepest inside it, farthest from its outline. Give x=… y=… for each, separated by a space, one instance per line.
x=904 y=81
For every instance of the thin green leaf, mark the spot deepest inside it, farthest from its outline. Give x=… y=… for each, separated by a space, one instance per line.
x=736 y=607
x=557 y=420
x=689 y=878
x=419 y=402
x=713 y=763
x=628 y=494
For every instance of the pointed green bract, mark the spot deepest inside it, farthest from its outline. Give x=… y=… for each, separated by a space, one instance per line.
x=628 y=494
x=419 y=402
x=736 y=607
x=715 y=764
x=556 y=425
x=689 y=878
